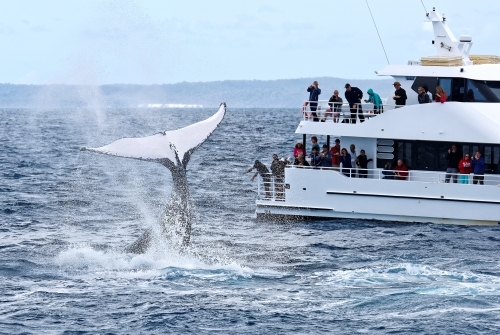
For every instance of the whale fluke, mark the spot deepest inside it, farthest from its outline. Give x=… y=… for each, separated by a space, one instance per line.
x=173 y=149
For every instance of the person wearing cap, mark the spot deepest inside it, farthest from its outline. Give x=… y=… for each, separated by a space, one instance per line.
x=326 y=157
x=314 y=92
x=354 y=95
x=399 y=95
x=335 y=150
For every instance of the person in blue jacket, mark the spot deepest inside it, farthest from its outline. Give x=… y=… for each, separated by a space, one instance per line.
x=354 y=95
x=374 y=98
x=314 y=92
x=477 y=166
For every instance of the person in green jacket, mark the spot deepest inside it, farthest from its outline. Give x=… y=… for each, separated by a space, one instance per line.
x=374 y=98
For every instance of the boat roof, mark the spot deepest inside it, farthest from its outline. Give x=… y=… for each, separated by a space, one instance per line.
x=476 y=72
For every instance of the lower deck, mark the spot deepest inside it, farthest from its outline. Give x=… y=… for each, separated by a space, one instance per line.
x=421 y=197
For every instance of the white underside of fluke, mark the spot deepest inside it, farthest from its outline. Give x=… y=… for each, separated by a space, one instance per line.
x=162 y=145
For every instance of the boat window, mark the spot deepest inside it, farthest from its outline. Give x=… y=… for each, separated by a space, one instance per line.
x=431 y=156
x=483 y=91
x=445 y=83
x=430 y=82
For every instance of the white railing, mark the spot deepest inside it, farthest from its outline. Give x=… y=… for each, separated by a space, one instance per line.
x=320 y=111
x=412 y=175
x=270 y=187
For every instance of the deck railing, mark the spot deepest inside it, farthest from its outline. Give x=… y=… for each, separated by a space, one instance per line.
x=270 y=188
x=321 y=111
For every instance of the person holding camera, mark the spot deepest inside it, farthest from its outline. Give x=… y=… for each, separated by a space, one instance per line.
x=453 y=158
x=335 y=104
x=399 y=95
x=314 y=92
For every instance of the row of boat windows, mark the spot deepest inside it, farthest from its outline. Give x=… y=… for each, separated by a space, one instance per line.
x=461 y=89
x=426 y=155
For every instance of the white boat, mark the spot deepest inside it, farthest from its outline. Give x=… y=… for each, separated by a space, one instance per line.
x=419 y=134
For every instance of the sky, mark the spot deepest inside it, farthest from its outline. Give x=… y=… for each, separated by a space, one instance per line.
x=165 y=41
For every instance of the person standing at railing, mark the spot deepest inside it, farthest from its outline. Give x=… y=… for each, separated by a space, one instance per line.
x=440 y=95
x=388 y=172
x=452 y=159
x=315 y=145
x=423 y=97
x=477 y=165
x=264 y=173
x=315 y=159
x=326 y=157
x=362 y=162
x=464 y=166
x=426 y=89
x=335 y=104
x=354 y=95
x=399 y=95
x=278 y=171
x=299 y=149
x=335 y=150
x=354 y=155
x=301 y=161
x=314 y=92
x=374 y=98
x=400 y=171
x=345 y=160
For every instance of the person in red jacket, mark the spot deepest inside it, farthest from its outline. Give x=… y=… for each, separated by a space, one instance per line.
x=440 y=95
x=400 y=171
x=335 y=150
x=464 y=168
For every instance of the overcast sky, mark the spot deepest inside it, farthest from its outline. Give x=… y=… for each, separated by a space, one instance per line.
x=166 y=41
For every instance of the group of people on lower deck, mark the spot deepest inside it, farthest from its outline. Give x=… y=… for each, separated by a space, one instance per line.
x=347 y=161
x=455 y=164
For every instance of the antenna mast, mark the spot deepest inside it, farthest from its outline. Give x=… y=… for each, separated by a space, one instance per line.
x=385 y=53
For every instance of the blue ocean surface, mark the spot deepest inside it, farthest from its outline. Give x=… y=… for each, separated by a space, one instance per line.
x=66 y=216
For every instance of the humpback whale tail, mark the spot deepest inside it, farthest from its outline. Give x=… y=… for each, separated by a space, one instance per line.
x=173 y=149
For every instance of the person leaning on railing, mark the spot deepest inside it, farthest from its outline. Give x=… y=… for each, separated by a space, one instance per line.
x=354 y=95
x=264 y=173
x=335 y=104
x=300 y=161
x=440 y=95
x=374 y=98
x=388 y=172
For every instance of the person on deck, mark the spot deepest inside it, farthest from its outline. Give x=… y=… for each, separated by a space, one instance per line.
x=300 y=161
x=374 y=98
x=464 y=167
x=315 y=158
x=426 y=89
x=264 y=173
x=452 y=159
x=335 y=104
x=362 y=163
x=278 y=171
x=387 y=172
x=335 y=150
x=314 y=92
x=400 y=171
x=440 y=95
x=326 y=157
x=354 y=95
x=354 y=155
x=299 y=149
x=477 y=165
x=345 y=160
x=423 y=98
x=315 y=145
x=399 y=95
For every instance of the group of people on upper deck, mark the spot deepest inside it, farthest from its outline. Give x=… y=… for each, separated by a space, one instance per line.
x=354 y=96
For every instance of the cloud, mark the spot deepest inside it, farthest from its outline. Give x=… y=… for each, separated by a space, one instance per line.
x=39 y=29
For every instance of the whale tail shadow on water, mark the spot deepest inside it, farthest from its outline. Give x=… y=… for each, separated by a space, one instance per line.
x=172 y=149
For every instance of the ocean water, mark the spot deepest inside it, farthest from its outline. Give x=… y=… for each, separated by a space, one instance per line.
x=66 y=216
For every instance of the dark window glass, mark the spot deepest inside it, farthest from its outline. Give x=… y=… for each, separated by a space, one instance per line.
x=483 y=91
x=445 y=83
x=429 y=82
